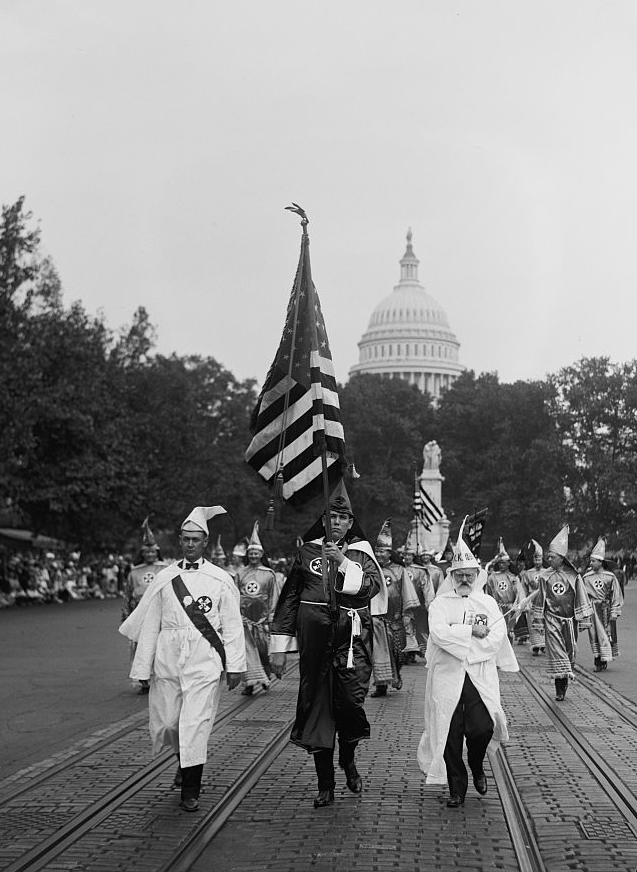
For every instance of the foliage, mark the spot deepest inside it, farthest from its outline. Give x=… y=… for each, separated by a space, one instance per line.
x=97 y=431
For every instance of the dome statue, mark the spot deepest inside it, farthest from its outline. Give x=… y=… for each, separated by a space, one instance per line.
x=408 y=335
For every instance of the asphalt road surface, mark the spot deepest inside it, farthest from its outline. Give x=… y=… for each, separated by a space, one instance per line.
x=65 y=668
x=64 y=675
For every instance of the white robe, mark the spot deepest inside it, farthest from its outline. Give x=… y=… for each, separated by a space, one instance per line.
x=184 y=669
x=452 y=653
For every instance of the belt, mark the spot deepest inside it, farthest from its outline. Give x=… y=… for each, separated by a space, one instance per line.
x=355 y=626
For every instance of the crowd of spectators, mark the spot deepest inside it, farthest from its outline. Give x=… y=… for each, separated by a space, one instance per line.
x=28 y=578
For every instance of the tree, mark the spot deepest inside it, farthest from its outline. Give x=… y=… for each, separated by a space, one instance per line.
x=500 y=449
x=594 y=404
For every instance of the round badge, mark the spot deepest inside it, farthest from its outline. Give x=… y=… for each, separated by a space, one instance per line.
x=316 y=566
x=411 y=575
x=503 y=585
x=187 y=600
x=388 y=580
x=204 y=603
x=598 y=583
x=558 y=588
x=148 y=577
x=252 y=588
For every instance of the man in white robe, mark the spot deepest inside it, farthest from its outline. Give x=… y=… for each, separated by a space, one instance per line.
x=186 y=625
x=467 y=642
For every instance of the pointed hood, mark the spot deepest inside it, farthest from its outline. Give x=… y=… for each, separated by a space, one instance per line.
x=197 y=520
x=559 y=545
x=339 y=500
x=148 y=537
x=599 y=551
x=537 y=549
x=255 y=543
x=462 y=555
x=502 y=553
x=384 y=539
x=219 y=553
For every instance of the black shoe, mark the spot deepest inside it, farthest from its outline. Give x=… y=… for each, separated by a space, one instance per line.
x=190 y=804
x=597 y=665
x=559 y=696
x=480 y=783
x=536 y=652
x=248 y=690
x=353 y=779
x=325 y=797
x=381 y=690
x=455 y=801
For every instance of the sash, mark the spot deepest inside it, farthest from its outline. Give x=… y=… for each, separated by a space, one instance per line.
x=201 y=622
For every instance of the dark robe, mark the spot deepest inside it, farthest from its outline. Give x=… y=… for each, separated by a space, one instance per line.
x=331 y=695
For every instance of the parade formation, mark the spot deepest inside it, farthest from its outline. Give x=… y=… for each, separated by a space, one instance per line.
x=354 y=614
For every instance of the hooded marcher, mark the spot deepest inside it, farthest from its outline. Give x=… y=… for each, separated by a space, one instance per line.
x=502 y=585
x=561 y=600
x=325 y=606
x=389 y=629
x=424 y=577
x=468 y=641
x=529 y=581
x=139 y=577
x=189 y=631
x=606 y=598
x=257 y=591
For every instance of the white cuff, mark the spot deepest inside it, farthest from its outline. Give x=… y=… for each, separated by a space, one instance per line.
x=280 y=644
x=352 y=577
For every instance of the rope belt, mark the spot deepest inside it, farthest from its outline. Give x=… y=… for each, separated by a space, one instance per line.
x=356 y=626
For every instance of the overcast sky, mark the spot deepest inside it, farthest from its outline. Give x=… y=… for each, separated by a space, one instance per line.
x=158 y=143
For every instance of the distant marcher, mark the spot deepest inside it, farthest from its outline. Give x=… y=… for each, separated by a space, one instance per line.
x=139 y=578
x=189 y=631
x=258 y=595
x=529 y=582
x=562 y=600
x=502 y=586
x=606 y=598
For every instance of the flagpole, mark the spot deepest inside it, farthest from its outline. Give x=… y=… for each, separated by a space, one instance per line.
x=327 y=569
x=278 y=477
x=415 y=515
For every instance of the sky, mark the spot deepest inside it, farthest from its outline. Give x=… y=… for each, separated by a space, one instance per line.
x=157 y=143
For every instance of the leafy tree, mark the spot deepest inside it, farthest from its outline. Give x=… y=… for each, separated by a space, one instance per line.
x=594 y=405
x=500 y=449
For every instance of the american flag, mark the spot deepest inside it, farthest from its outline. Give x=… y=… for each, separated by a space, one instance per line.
x=425 y=509
x=473 y=529
x=298 y=413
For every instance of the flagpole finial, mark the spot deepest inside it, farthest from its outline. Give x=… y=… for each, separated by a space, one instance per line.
x=299 y=210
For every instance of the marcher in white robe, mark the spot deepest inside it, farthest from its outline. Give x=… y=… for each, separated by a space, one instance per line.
x=467 y=638
x=183 y=667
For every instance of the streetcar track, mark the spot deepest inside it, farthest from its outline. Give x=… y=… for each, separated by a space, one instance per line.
x=74 y=829
x=615 y=788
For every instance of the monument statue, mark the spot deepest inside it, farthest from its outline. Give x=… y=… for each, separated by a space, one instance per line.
x=431 y=455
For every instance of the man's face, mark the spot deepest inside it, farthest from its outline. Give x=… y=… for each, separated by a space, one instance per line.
x=555 y=560
x=383 y=555
x=149 y=553
x=537 y=561
x=340 y=524
x=426 y=558
x=254 y=556
x=503 y=564
x=463 y=580
x=596 y=564
x=192 y=545
x=408 y=558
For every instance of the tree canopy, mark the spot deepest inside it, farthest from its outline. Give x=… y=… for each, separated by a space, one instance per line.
x=97 y=431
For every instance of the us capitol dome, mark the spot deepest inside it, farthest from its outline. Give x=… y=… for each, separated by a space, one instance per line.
x=409 y=337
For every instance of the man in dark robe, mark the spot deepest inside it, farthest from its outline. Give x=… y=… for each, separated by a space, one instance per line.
x=329 y=615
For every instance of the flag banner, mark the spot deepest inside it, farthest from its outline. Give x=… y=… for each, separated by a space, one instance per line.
x=297 y=415
x=424 y=506
x=473 y=529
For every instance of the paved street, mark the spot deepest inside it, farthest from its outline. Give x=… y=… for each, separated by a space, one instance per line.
x=65 y=680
